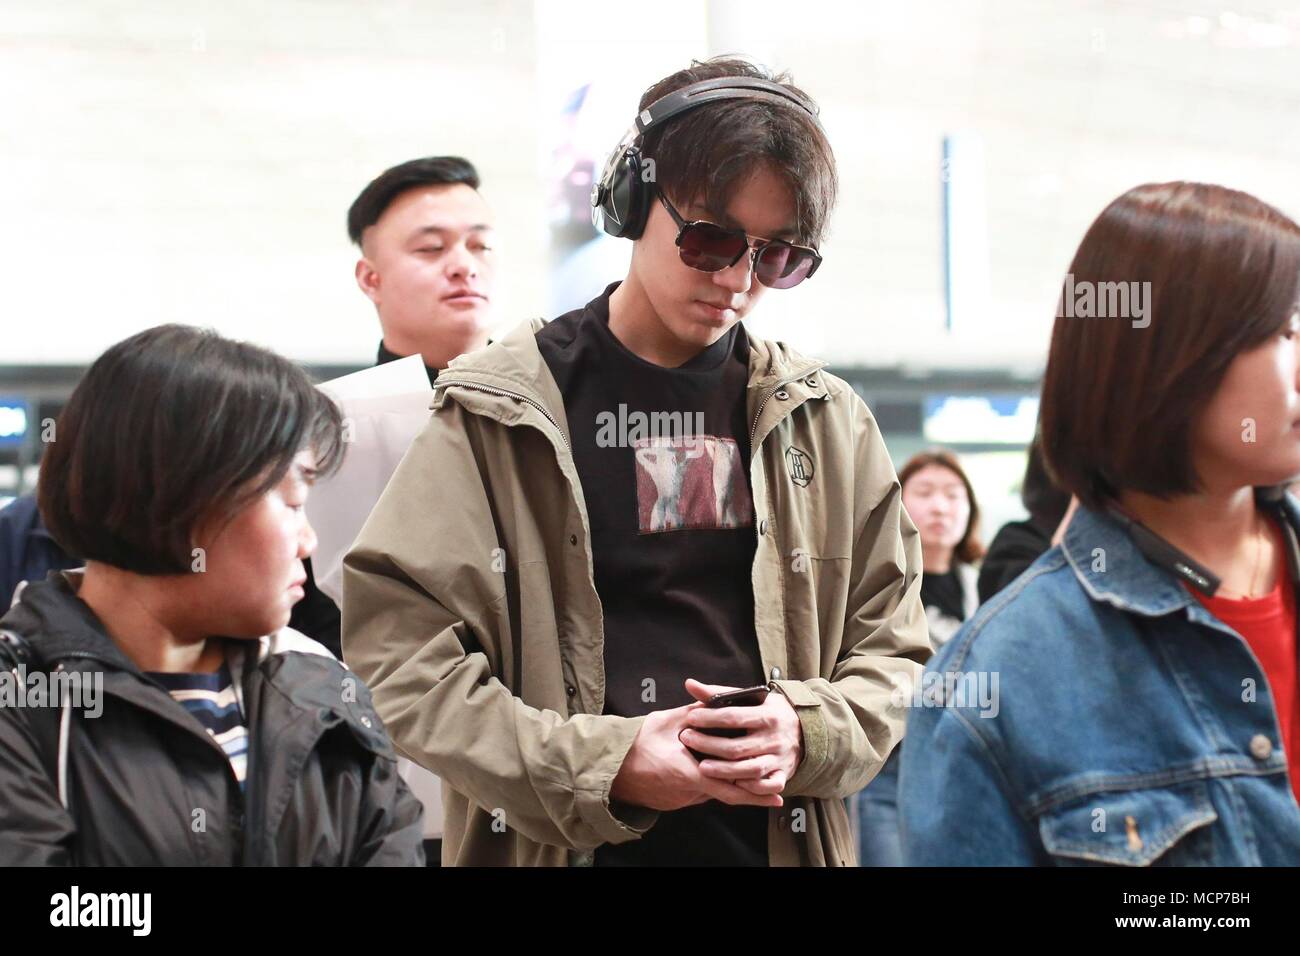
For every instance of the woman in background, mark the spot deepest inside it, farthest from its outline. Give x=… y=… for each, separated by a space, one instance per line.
x=940 y=500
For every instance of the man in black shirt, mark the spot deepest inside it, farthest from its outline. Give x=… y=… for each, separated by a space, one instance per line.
x=654 y=377
x=604 y=524
x=672 y=532
x=428 y=265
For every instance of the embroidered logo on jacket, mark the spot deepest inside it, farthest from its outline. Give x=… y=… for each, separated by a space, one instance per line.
x=800 y=465
x=691 y=482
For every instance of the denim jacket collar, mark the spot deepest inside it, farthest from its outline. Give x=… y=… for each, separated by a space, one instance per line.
x=1110 y=567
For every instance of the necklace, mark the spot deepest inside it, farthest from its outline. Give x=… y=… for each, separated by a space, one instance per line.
x=1259 y=553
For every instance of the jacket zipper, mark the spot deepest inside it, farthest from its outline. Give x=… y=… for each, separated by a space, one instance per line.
x=239 y=820
x=493 y=390
x=753 y=432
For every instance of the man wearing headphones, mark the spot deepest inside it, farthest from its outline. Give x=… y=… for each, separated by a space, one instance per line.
x=666 y=620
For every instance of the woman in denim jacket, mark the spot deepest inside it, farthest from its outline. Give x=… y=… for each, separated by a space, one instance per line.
x=1131 y=698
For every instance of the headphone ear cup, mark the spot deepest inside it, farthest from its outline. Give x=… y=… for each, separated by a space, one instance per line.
x=619 y=204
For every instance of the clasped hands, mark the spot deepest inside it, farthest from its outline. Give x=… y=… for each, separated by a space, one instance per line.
x=659 y=771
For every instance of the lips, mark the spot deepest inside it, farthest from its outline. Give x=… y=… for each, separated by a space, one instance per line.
x=464 y=295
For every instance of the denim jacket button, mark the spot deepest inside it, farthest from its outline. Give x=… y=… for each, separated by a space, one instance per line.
x=1261 y=748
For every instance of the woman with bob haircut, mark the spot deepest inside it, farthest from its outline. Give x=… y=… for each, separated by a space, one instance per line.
x=191 y=726
x=1144 y=669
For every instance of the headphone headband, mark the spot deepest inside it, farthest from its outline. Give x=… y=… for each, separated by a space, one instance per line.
x=620 y=198
x=709 y=91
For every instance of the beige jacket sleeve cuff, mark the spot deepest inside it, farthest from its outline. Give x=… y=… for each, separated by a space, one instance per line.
x=816 y=736
x=614 y=821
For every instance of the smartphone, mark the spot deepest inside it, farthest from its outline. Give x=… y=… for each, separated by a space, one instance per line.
x=745 y=697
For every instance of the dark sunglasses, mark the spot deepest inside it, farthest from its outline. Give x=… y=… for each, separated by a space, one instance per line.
x=708 y=247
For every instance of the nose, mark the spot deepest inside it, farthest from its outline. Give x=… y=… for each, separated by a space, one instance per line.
x=307 y=540
x=738 y=277
x=461 y=263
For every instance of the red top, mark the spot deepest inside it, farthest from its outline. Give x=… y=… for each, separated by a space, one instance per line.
x=1268 y=625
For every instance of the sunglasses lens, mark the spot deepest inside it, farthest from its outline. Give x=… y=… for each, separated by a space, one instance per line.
x=710 y=248
x=783 y=266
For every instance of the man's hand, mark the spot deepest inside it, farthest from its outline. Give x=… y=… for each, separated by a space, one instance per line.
x=762 y=761
x=660 y=773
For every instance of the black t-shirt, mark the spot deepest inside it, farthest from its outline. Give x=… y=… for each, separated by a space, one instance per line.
x=944 y=592
x=663 y=458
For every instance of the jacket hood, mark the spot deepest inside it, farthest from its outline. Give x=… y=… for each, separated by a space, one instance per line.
x=515 y=364
x=57 y=624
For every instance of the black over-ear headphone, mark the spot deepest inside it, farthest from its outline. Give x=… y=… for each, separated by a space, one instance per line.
x=620 y=199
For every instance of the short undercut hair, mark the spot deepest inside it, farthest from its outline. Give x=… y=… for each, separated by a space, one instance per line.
x=388 y=185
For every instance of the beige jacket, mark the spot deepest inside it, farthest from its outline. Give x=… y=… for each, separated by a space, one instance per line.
x=469 y=609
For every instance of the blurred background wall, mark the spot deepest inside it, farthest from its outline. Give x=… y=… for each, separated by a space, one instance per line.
x=193 y=161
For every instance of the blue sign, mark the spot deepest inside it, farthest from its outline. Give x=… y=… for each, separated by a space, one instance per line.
x=13 y=421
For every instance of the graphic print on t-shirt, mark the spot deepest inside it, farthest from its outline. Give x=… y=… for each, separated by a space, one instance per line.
x=690 y=482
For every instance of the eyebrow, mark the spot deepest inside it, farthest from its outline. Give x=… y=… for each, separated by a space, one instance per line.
x=440 y=230
x=789 y=233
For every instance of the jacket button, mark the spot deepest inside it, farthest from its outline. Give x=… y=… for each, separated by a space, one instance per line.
x=762 y=526
x=810 y=382
x=365 y=721
x=776 y=673
x=573 y=539
x=570 y=689
x=1261 y=748
x=783 y=395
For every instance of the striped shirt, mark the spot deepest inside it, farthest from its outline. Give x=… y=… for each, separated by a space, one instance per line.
x=211 y=699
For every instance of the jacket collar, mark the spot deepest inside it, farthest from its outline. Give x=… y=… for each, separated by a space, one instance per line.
x=515 y=364
x=66 y=627
x=1111 y=569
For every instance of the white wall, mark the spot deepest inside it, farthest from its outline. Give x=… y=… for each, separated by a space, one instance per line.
x=193 y=160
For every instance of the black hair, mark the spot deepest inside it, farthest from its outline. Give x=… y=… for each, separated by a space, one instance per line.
x=1045 y=502
x=705 y=155
x=391 y=183
x=168 y=428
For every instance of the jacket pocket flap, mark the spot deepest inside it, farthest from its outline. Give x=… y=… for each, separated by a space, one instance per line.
x=1129 y=827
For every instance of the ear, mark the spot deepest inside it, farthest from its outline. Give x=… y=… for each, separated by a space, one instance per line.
x=368 y=279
